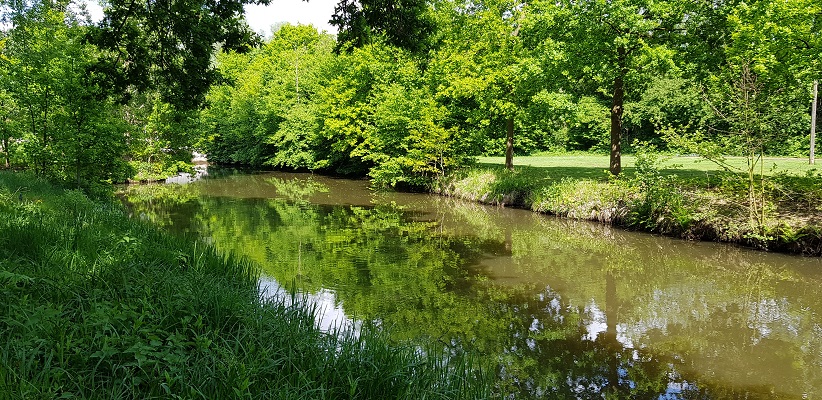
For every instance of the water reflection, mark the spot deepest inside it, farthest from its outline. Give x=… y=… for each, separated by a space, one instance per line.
x=565 y=309
x=330 y=315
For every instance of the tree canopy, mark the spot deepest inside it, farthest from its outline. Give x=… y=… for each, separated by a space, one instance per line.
x=402 y=23
x=407 y=91
x=168 y=45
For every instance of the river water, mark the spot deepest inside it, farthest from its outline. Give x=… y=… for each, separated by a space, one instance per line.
x=565 y=309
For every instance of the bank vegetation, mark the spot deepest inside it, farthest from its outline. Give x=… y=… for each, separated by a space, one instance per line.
x=656 y=196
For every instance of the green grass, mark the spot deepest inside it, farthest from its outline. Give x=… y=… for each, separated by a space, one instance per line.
x=95 y=305
x=679 y=196
x=580 y=165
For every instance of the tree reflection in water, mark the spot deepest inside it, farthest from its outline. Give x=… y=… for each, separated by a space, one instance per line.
x=562 y=309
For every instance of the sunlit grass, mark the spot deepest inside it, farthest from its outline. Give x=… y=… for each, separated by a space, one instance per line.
x=589 y=165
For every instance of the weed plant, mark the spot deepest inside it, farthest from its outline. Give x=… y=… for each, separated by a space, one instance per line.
x=95 y=305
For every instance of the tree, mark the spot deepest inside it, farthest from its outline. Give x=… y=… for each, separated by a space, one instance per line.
x=8 y=115
x=169 y=45
x=70 y=131
x=265 y=113
x=379 y=115
x=401 y=23
x=9 y=112
x=610 y=47
x=37 y=44
x=782 y=44
x=160 y=138
x=813 y=122
x=480 y=71
x=758 y=94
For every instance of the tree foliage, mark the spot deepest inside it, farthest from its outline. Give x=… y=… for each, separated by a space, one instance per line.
x=561 y=75
x=408 y=90
x=266 y=113
x=168 y=45
x=58 y=119
x=402 y=23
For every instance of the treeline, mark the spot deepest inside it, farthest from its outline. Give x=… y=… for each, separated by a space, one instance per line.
x=404 y=94
x=497 y=76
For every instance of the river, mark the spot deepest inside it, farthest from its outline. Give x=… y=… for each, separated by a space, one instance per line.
x=563 y=309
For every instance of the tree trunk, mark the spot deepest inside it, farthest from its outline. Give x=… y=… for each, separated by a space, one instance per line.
x=616 y=115
x=813 y=121
x=509 y=144
x=6 y=152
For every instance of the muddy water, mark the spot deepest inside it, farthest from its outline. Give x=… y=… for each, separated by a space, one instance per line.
x=564 y=309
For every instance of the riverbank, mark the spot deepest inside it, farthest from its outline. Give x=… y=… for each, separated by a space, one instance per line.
x=692 y=205
x=97 y=305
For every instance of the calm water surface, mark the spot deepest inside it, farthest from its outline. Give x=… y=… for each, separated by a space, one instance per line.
x=565 y=309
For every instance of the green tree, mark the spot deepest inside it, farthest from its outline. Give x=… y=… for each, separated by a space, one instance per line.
x=609 y=48
x=70 y=131
x=402 y=23
x=169 y=45
x=266 y=114
x=160 y=138
x=672 y=101
x=782 y=45
x=480 y=71
x=9 y=112
x=8 y=116
x=378 y=115
x=759 y=93
x=34 y=74
x=89 y=142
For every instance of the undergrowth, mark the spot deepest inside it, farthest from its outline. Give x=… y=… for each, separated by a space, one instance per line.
x=95 y=305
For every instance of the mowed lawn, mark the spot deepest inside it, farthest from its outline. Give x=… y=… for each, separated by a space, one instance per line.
x=595 y=166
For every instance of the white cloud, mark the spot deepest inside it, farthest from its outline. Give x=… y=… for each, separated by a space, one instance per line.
x=94 y=8
x=313 y=12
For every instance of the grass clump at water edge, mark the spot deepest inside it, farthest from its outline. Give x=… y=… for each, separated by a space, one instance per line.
x=95 y=305
x=654 y=195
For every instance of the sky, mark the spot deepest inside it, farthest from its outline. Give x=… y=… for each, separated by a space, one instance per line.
x=261 y=18
x=314 y=12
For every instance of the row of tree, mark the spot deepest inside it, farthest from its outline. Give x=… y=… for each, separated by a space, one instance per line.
x=408 y=89
x=501 y=76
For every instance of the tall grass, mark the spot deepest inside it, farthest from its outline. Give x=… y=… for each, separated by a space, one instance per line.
x=94 y=305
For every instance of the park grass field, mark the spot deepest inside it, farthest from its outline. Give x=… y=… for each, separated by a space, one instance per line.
x=584 y=165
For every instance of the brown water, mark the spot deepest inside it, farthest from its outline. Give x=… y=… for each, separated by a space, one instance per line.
x=564 y=309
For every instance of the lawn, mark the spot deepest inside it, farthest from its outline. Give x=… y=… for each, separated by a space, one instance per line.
x=596 y=165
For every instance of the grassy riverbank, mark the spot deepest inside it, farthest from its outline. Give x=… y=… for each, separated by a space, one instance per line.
x=96 y=305
x=681 y=197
